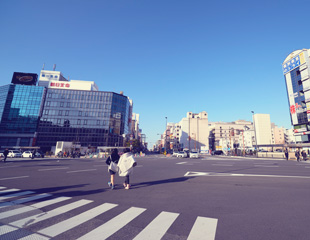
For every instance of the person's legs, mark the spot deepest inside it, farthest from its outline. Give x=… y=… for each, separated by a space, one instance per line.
x=126 y=184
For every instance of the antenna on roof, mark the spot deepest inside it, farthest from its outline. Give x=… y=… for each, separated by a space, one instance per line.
x=43 y=66
x=54 y=67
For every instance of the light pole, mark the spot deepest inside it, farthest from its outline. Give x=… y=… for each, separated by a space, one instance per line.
x=254 y=133
x=166 y=137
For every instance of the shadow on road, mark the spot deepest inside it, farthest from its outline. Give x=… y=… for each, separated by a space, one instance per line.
x=164 y=181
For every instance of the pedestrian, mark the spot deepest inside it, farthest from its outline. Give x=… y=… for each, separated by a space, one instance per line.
x=33 y=154
x=125 y=166
x=304 y=155
x=112 y=161
x=286 y=153
x=297 y=155
x=5 y=154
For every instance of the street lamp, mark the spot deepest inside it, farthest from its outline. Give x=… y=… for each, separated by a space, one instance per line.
x=166 y=137
x=255 y=133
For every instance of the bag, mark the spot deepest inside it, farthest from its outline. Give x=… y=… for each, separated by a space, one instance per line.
x=113 y=166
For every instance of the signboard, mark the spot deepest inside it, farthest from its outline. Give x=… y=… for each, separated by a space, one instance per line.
x=59 y=85
x=24 y=78
x=293 y=63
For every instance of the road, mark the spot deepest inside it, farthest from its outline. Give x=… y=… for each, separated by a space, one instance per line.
x=213 y=197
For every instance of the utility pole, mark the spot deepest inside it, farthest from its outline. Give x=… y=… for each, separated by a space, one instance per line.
x=255 y=133
x=166 y=137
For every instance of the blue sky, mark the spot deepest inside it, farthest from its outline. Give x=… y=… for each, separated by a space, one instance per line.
x=169 y=56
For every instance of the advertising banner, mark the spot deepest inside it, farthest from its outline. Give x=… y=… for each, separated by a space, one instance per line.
x=293 y=63
x=24 y=78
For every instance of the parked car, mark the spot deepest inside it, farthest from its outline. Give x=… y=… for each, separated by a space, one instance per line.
x=175 y=153
x=27 y=154
x=182 y=154
x=14 y=153
x=39 y=154
x=193 y=154
x=1 y=153
x=218 y=152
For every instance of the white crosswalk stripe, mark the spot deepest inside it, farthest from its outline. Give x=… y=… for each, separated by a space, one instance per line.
x=15 y=195
x=203 y=229
x=24 y=200
x=9 y=190
x=115 y=224
x=77 y=220
x=158 y=227
x=39 y=217
x=11 y=213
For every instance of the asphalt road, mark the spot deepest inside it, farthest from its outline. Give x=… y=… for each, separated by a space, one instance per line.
x=213 y=197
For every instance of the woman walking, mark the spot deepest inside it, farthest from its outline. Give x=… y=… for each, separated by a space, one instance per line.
x=112 y=161
x=125 y=166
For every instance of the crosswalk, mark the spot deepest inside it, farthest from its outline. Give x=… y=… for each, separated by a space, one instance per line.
x=17 y=219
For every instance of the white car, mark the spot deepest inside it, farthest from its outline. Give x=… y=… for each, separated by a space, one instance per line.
x=175 y=154
x=14 y=153
x=27 y=154
x=193 y=154
x=182 y=154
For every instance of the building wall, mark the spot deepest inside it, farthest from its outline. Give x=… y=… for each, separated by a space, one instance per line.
x=263 y=128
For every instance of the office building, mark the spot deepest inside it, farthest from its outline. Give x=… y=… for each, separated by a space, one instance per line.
x=296 y=72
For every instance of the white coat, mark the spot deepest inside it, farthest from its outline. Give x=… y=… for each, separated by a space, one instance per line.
x=125 y=164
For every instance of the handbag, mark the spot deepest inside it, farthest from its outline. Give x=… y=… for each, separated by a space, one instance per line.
x=113 y=166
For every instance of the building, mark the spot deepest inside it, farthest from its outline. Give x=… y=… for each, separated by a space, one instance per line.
x=227 y=135
x=62 y=110
x=20 y=110
x=191 y=132
x=296 y=73
x=262 y=126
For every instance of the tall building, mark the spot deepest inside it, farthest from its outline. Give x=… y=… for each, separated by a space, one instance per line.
x=61 y=110
x=20 y=111
x=296 y=72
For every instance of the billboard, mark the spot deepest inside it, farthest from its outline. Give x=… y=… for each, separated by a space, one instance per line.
x=24 y=78
x=293 y=63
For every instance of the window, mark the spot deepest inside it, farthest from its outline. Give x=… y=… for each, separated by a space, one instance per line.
x=60 y=112
x=80 y=113
x=61 y=104
x=48 y=104
x=85 y=122
x=67 y=113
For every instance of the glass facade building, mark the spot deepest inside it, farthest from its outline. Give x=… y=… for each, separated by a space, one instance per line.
x=20 y=110
x=89 y=118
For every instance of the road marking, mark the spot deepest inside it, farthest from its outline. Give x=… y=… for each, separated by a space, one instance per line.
x=9 y=190
x=9 y=166
x=50 y=169
x=181 y=163
x=15 y=195
x=2 y=187
x=264 y=166
x=158 y=227
x=203 y=229
x=24 y=200
x=11 y=213
x=86 y=170
x=70 y=223
x=40 y=217
x=227 y=165
x=115 y=224
x=214 y=174
x=34 y=237
x=13 y=178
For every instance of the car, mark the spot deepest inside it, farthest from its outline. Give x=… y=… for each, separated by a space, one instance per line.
x=182 y=154
x=175 y=153
x=27 y=154
x=193 y=154
x=39 y=154
x=218 y=152
x=1 y=153
x=14 y=153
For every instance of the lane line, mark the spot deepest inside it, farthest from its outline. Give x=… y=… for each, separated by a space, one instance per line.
x=1 y=179
x=14 y=212
x=70 y=223
x=24 y=200
x=228 y=165
x=181 y=163
x=55 y=212
x=50 y=169
x=214 y=174
x=203 y=229
x=264 y=166
x=158 y=227
x=109 y=228
x=85 y=170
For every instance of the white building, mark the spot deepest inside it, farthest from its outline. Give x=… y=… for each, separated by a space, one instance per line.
x=262 y=126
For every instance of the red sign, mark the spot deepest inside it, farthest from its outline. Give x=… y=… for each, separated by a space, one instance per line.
x=293 y=109
x=53 y=84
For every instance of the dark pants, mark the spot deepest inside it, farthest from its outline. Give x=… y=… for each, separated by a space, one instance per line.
x=5 y=156
x=127 y=179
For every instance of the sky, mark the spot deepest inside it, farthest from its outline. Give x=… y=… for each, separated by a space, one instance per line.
x=169 y=56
